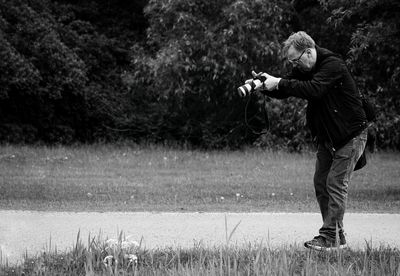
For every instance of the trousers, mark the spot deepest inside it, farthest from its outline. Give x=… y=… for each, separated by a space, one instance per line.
x=333 y=172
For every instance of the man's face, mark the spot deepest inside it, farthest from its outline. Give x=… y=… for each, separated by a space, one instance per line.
x=300 y=59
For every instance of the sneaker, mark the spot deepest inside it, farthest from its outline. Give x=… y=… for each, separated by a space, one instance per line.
x=320 y=243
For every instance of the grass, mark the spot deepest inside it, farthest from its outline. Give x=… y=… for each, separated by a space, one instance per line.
x=126 y=178
x=228 y=259
x=123 y=178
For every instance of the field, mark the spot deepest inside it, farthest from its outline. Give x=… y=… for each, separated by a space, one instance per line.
x=132 y=178
x=122 y=178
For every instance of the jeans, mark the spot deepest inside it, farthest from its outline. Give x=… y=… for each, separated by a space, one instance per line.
x=332 y=176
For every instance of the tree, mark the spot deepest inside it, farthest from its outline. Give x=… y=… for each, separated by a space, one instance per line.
x=61 y=76
x=40 y=68
x=374 y=57
x=196 y=55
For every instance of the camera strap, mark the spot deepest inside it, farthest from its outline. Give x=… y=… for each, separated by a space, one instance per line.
x=266 y=118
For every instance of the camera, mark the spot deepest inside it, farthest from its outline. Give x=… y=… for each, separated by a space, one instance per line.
x=249 y=87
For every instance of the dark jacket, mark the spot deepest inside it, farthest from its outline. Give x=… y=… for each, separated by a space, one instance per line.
x=334 y=111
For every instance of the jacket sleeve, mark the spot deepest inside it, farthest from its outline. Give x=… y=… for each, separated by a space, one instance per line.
x=279 y=94
x=329 y=72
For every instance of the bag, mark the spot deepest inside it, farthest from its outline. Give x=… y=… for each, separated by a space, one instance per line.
x=369 y=109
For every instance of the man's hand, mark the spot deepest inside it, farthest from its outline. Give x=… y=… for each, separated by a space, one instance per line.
x=258 y=75
x=271 y=82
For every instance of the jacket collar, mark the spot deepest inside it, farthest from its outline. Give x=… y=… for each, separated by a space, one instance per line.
x=322 y=54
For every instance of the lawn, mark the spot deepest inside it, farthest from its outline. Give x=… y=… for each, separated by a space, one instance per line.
x=155 y=178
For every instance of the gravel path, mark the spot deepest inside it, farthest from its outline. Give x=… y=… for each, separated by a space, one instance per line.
x=32 y=231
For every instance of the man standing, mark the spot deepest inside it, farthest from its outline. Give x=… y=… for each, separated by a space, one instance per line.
x=336 y=119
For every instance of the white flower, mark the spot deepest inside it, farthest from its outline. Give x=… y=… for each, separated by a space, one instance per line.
x=129 y=245
x=238 y=197
x=133 y=259
x=111 y=243
x=108 y=260
x=125 y=245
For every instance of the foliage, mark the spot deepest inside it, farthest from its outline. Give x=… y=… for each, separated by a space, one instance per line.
x=167 y=71
x=31 y=32
x=197 y=53
x=62 y=77
x=226 y=259
x=374 y=58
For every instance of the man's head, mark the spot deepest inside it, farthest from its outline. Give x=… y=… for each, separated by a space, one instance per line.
x=300 y=51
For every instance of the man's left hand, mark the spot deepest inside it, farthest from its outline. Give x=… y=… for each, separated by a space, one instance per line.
x=271 y=83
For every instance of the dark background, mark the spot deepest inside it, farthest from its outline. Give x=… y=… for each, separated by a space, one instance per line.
x=167 y=71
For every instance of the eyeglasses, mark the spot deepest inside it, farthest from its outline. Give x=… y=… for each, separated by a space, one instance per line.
x=296 y=60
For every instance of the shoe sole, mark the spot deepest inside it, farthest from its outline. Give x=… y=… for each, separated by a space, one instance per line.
x=326 y=249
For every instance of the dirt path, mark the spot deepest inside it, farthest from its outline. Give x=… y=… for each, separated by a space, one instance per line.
x=31 y=231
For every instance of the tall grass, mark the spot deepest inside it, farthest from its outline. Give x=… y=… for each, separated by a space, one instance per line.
x=131 y=178
x=228 y=259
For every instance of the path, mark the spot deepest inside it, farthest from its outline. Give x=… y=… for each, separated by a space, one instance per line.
x=31 y=230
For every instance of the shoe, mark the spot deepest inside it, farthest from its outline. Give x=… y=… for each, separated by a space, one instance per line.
x=321 y=243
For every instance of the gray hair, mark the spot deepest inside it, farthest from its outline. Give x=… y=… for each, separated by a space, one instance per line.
x=300 y=41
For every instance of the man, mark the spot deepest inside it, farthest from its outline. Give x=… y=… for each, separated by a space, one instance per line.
x=336 y=119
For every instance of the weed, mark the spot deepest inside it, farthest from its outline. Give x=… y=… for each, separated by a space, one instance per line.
x=109 y=257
